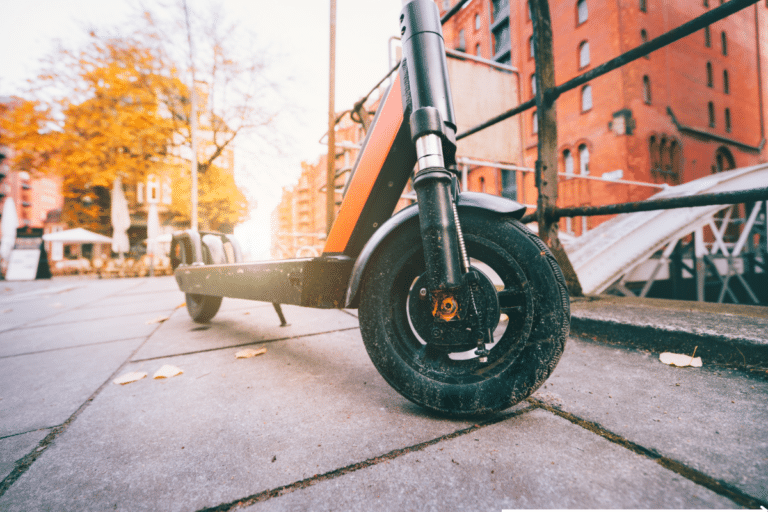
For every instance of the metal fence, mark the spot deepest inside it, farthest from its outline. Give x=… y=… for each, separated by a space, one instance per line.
x=547 y=213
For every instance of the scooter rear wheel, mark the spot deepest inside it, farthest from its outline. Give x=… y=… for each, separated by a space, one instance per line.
x=528 y=341
x=202 y=308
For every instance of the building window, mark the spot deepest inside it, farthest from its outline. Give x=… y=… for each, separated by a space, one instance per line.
x=711 y=109
x=478 y=50
x=707 y=37
x=706 y=3
x=568 y=161
x=535 y=122
x=582 y=12
x=724 y=41
x=728 y=120
x=647 y=90
x=482 y=184
x=653 y=146
x=462 y=41
x=643 y=6
x=502 y=42
x=584 y=54
x=530 y=46
x=726 y=83
x=509 y=184
x=533 y=85
x=710 y=81
x=583 y=160
x=586 y=98
x=446 y=4
x=478 y=22
x=644 y=39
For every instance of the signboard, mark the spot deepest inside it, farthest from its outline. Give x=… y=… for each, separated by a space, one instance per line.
x=22 y=265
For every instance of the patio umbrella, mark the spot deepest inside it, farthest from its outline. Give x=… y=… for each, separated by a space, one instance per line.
x=121 y=219
x=153 y=229
x=8 y=225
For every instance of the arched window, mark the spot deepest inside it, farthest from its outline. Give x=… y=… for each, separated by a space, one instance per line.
x=710 y=80
x=584 y=54
x=568 y=161
x=643 y=6
x=653 y=146
x=582 y=12
x=647 y=90
x=726 y=84
x=478 y=22
x=674 y=151
x=530 y=45
x=724 y=160
x=724 y=41
x=586 y=98
x=711 y=109
x=706 y=3
x=482 y=184
x=644 y=39
x=583 y=160
x=478 y=50
x=462 y=41
x=728 y=120
x=533 y=85
x=535 y=122
x=707 y=37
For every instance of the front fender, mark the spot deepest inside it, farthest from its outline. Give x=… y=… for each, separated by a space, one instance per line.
x=467 y=200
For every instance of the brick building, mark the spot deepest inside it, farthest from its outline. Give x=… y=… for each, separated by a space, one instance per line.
x=692 y=108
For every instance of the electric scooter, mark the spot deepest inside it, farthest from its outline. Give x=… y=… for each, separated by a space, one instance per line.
x=462 y=309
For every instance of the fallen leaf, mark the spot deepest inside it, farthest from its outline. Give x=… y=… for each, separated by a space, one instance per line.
x=680 y=360
x=157 y=320
x=167 y=371
x=181 y=305
x=250 y=352
x=129 y=377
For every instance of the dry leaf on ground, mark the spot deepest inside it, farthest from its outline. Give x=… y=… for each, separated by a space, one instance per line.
x=680 y=360
x=129 y=377
x=167 y=371
x=158 y=320
x=250 y=352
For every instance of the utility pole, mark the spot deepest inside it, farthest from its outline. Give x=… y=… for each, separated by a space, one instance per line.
x=192 y=122
x=330 y=197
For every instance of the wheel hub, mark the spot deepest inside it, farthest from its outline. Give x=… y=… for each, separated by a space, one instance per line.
x=445 y=320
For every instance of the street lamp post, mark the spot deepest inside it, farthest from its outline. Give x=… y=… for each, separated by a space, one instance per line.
x=330 y=192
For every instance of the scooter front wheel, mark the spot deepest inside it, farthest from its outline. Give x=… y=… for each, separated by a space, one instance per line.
x=529 y=336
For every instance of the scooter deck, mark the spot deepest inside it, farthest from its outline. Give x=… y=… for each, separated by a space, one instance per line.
x=314 y=282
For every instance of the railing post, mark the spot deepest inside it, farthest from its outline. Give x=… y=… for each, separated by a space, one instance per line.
x=546 y=164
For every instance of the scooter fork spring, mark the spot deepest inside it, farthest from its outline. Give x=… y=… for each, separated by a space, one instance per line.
x=462 y=247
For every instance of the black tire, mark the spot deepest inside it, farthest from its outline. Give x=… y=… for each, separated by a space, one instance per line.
x=202 y=308
x=527 y=347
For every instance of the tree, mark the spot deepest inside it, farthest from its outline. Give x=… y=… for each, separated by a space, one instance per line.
x=120 y=106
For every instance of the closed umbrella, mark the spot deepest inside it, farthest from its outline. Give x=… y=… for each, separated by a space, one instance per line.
x=121 y=219
x=8 y=226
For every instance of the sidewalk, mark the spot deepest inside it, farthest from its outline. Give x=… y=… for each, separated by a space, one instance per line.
x=311 y=424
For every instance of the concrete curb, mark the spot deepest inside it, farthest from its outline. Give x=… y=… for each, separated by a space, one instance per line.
x=719 y=333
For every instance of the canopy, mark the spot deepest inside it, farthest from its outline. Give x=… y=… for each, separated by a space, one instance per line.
x=77 y=236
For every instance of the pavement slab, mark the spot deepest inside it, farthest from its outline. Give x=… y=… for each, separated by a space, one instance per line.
x=712 y=419
x=225 y=428
x=13 y=448
x=43 y=390
x=532 y=460
x=238 y=323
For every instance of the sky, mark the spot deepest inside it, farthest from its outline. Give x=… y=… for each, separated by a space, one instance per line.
x=297 y=31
